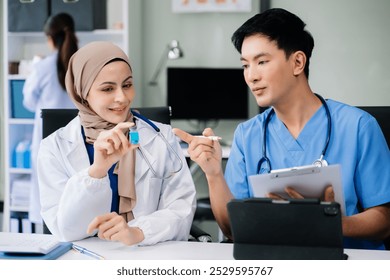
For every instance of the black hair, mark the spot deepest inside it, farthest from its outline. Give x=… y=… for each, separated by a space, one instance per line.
x=118 y=59
x=61 y=29
x=281 y=26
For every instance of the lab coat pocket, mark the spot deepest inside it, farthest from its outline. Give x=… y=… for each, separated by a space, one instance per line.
x=153 y=193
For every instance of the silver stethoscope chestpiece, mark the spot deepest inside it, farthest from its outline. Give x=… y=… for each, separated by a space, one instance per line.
x=320 y=162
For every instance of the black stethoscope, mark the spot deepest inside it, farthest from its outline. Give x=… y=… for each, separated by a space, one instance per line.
x=170 y=148
x=319 y=162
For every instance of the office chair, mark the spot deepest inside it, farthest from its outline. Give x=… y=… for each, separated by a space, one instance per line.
x=53 y=119
x=382 y=115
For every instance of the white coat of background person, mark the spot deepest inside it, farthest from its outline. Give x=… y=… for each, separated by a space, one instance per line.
x=44 y=88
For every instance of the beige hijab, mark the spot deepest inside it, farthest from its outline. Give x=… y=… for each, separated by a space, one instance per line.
x=83 y=68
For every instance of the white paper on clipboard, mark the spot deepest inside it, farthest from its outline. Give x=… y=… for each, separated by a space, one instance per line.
x=310 y=181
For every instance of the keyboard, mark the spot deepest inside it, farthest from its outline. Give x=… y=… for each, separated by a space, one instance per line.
x=27 y=243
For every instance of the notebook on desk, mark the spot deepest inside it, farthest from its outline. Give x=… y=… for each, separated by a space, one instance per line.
x=31 y=246
x=302 y=229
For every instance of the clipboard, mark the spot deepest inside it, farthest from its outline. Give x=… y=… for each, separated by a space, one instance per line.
x=308 y=180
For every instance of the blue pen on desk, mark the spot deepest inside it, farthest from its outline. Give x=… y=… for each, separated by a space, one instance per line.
x=87 y=252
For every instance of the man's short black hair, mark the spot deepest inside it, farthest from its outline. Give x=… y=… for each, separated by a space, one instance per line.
x=281 y=26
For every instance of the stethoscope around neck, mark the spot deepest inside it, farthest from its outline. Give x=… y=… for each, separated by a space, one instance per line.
x=318 y=162
x=170 y=148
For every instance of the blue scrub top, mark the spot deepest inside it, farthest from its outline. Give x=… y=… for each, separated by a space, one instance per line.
x=356 y=143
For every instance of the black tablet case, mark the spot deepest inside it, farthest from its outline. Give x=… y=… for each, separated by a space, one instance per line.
x=301 y=229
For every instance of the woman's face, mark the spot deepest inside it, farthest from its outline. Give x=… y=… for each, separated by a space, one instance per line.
x=112 y=92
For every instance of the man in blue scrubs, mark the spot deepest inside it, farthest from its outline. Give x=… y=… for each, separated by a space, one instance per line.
x=275 y=52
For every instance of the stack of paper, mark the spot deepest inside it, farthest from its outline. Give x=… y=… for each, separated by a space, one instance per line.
x=20 y=192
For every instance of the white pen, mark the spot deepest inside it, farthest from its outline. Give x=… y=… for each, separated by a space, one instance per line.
x=212 y=137
x=87 y=252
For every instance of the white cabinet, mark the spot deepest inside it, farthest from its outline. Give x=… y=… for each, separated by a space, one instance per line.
x=22 y=46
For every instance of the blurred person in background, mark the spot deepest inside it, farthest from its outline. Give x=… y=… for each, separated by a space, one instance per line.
x=44 y=88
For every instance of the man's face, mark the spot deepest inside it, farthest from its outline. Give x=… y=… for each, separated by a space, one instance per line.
x=267 y=71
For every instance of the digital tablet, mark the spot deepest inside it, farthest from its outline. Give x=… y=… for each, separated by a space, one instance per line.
x=294 y=229
x=310 y=181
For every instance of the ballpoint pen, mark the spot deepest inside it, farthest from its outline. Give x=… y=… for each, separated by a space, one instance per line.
x=212 y=137
x=87 y=252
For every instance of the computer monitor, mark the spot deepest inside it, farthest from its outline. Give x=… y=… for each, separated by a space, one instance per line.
x=207 y=93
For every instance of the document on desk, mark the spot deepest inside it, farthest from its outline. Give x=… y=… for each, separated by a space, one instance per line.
x=309 y=181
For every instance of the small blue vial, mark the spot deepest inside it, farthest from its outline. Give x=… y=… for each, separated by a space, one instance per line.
x=134 y=137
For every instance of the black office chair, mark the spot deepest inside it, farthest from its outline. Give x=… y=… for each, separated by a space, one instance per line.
x=382 y=115
x=53 y=119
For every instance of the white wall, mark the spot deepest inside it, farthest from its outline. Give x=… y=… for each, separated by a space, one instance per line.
x=204 y=37
x=351 y=56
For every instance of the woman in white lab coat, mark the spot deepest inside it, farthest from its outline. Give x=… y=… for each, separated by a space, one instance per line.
x=93 y=180
x=45 y=88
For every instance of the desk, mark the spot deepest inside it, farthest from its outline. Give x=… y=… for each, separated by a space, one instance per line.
x=182 y=250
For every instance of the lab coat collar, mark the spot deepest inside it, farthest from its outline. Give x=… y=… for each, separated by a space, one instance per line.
x=73 y=145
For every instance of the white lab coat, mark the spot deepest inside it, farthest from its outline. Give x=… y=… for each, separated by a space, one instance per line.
x=71 y=199
x=42 y=90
